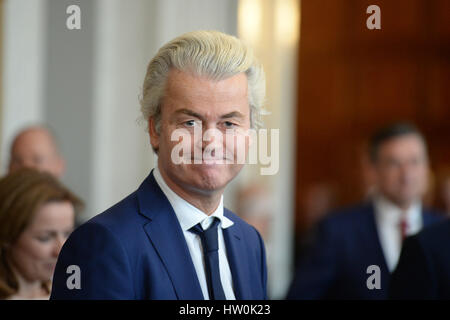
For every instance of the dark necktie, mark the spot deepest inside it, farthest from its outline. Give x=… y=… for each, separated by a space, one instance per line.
x=211 y=255
x=403 y=227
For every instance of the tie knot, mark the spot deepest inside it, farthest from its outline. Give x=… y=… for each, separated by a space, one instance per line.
x=208 y=236
x=404 y=222
x=404 y=227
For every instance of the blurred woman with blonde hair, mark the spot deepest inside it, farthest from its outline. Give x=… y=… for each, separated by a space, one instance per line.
x=37 y=214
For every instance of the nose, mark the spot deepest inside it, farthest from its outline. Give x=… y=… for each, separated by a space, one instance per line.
x=407 y=171
x=212 y=138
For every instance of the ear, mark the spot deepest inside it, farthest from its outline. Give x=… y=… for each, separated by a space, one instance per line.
x=154 y=136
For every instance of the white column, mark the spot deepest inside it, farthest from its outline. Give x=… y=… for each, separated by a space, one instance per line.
x=24 y=31
x=272 y=27
x=176 y=17
x=121 y=152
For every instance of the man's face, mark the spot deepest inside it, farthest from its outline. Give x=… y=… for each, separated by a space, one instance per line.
x=401 y=169
x=194 y=105
x=35 y=149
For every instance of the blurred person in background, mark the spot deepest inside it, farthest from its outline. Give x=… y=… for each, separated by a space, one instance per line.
x=423 y=271
x=370 y=234
x=254 y=205
x=319 y=198
x=37 y=214
x=36 y=147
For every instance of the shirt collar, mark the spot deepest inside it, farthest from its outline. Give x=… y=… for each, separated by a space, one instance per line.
x=388 y=212
x=186 y=213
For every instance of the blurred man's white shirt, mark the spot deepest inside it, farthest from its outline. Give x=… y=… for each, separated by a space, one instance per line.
x=388 y=218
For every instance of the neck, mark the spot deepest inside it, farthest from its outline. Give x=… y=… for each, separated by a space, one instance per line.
x=29 y=289
x=206 y=201
x=402 y=205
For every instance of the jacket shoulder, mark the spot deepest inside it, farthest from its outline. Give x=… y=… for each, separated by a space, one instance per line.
x=432 y=216
x=435 y=235
x=244 y=226
x=119 y=216
x=348 y=217
x=252 y=236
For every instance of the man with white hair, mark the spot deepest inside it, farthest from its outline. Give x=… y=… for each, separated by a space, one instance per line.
x=172 y=238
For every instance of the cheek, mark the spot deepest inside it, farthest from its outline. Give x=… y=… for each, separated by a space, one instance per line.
x=387 y=178
x=165 y=145
x=392 y=174
x=424 y=173
x=417 y=177
x=237 y=143
x=179 y=147
x=31 y=252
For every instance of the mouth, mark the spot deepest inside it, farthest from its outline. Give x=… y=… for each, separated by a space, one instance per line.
x=211 y=161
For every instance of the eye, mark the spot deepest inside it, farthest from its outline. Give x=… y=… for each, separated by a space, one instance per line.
x=229 y=124
x=43 y=239
x=189 y=123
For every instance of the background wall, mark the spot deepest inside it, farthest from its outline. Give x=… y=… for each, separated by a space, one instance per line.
x=23 y=74
x=353 y=80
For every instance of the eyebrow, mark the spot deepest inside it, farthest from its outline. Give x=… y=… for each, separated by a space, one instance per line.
x=234 y=114
x=190 y=113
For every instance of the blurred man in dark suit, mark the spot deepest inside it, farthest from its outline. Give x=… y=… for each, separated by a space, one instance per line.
x=423 y=271
x=357 y=245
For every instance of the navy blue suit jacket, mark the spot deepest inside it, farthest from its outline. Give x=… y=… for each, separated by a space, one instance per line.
x=335 y=266
x=137 y=250
x=423 y=271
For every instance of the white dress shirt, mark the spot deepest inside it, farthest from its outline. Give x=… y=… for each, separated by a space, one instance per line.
x=188 y=216
x=388 y=218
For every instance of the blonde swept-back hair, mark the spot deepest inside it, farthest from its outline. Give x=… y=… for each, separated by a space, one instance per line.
x=22 y=193
x=211 y=54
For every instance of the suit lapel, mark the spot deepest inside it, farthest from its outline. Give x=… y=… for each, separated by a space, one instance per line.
x=238 y=260
x=165 y=233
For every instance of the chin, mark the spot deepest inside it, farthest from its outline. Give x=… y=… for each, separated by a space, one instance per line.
x=206 y=177
x=212 y=183
x=212 y=180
